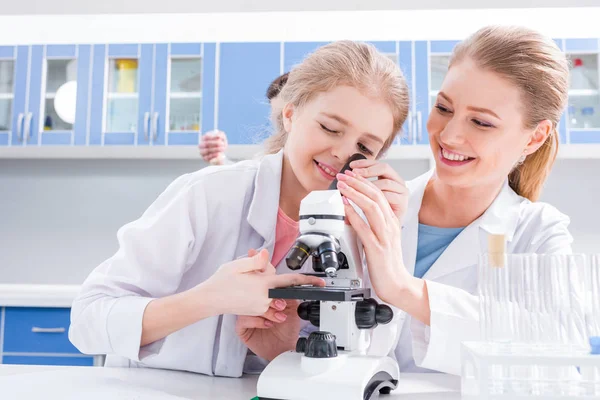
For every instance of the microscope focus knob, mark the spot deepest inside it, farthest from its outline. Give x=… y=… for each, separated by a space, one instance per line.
x=383 y=314
x=369 y=314
x=310 y=311
x=321 y=344
x=301 y=345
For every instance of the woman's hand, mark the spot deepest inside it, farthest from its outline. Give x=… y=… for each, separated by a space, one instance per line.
x=388 y=181
x=381 y=238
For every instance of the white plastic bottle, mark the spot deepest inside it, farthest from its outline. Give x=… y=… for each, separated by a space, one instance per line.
x=573 y=117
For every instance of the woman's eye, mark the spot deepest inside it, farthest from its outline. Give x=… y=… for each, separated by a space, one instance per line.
x=482 y=124
x=442 y=109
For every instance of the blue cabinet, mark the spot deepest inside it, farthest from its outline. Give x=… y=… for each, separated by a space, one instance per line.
x=414 y=61
x=153 y=94
x=295 y=52
x=49 y=360
x=405 y=62
x=121 y=94
x=582 y=119
x=30 y=79
x=167 y=94
x=37 y=330
x=421 y=97
x=38 y=336
x=8 y=91
x=245 y=72
x=184 y=92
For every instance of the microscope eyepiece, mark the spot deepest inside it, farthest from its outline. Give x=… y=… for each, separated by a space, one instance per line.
x=354 y=157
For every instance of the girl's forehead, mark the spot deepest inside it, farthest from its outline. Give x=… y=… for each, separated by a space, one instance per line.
x=349 y=107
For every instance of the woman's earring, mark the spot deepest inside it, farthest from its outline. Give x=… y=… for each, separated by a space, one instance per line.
x=522 y=159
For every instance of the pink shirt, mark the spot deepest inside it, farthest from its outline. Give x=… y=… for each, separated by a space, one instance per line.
x=286 y=232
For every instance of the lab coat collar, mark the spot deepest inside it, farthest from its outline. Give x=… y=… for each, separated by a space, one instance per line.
x=501 y=217
x=262 y=214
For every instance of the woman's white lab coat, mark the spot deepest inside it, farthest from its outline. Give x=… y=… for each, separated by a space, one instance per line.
x=452 y=279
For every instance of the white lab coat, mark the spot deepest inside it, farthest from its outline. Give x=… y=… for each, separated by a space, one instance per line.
x=214 y=215
x=201 y=221
x=452 y=279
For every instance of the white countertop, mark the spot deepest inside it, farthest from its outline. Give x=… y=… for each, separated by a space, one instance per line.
x=16 y=295
x=91 y=383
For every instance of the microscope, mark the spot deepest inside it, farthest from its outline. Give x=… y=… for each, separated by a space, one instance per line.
x=347 y=357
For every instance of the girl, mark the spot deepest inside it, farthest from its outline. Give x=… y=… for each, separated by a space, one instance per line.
x=170 y=296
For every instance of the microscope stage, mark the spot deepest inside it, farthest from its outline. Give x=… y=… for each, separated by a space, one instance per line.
x=320 y=293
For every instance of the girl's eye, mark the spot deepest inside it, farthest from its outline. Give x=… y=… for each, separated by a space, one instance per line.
x=364 y=149
x=326 y=129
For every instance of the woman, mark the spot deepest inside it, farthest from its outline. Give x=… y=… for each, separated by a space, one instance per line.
x=493 y=134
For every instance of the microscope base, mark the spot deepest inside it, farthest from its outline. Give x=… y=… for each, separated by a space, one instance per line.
x=292 y=376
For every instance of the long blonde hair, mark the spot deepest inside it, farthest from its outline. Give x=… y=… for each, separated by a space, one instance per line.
x=534 y=64
x=354 y=64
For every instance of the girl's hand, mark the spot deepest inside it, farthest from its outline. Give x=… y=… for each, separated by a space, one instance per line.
x=268 y=339
x=242 y=286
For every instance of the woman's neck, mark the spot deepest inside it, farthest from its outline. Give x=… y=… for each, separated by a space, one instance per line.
x=447 y=206
x=291 y=191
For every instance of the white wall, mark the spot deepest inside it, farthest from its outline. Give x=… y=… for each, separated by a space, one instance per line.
x=59 y=218
x=196 y=6
x=289 y=26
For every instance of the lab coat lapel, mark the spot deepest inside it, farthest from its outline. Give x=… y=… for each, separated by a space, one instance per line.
x=501 y=217
x=262 y=214
x=410 y=225
x=262 y=218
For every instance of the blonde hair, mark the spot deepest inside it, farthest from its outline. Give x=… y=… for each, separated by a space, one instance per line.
x=534 y=64
x=354 y=64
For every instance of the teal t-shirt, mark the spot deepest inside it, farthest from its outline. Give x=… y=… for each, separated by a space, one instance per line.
x=431 y=243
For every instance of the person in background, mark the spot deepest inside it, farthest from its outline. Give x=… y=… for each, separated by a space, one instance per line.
x=213 y=144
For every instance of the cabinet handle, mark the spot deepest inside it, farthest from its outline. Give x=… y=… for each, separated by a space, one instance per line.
x=20 y=118
x=146 y=124
x=154 y=125
x=419 y=126
x=27 y=128
x=36 y=329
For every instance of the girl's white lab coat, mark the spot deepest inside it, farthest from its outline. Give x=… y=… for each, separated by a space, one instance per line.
x=215 y=215
x=201 y=221
x=452 y=279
